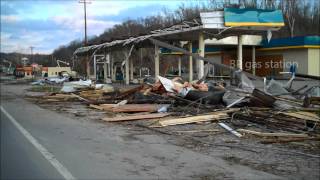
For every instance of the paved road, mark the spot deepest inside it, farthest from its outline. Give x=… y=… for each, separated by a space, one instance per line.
x=19 y=158
x=93 y=150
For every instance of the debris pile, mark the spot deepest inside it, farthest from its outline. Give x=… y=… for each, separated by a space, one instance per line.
x=275 y=113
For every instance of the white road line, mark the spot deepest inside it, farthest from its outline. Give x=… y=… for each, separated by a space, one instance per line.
x=49 y=156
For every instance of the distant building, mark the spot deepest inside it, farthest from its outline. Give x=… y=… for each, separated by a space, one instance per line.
x=26 y=72
x=54 y=71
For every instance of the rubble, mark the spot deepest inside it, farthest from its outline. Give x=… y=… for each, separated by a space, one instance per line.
x=277 y=113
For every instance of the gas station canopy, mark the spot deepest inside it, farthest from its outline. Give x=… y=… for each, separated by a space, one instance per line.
x=216 y=24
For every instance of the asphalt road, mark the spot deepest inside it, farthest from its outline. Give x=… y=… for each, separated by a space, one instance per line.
x=19 y=158
x=94 y=150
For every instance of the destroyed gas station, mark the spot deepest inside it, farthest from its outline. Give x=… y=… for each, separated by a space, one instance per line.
x=225 y=93
x=222 y=98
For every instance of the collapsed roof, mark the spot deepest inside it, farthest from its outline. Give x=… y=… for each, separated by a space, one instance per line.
x=216 y=24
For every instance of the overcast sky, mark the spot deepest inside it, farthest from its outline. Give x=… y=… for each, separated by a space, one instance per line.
x=48 y=24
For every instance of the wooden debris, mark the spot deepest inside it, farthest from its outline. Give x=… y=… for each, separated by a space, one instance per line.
x=274 y=121
x=131 y=107
x=303 y=115
x=52 y=100
x=289 y=100
x=194 y=119
x=128 y=92
x=108 y=105
x=136 y=117
x=59 y=96
x=79 y=97
x=287 y=140
x=261 y=99
x=96 y=106
x=91 y=94
x=262 y=134
x=137 y=108
x=311 y=100
x=200 y=130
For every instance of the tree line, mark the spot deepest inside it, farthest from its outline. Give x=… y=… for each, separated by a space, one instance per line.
x=301 y=18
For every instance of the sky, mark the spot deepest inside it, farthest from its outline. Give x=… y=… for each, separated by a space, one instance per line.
x=48 y=24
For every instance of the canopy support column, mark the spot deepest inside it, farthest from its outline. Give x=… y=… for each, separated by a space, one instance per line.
x=109 y=66
x=190 y=63
x=253 y=60
x=87 y=66
x=239 y=53
x=131 y=69
x=105 y=67
x=127 y=70
x=201 y=53
x=156 y=61
x=179 y=65
x=94 y=67
x=112 y=76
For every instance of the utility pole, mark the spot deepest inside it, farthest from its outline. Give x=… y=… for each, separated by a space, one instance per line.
x=31 y=50
x=87 y=63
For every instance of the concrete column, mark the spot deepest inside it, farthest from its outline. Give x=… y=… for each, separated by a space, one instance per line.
x=201 y=53
x=253 y=60
x=127 y=68
x=95 y=67
x=88 y=66
x=112 y=76
x=239 y=61
x=105 y=68
x=179 y=65
x=190 y=63
x=156 y=61
x=109 y=65
x=131 y=69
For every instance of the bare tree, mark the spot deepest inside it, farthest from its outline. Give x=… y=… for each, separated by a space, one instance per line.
x=290 y=9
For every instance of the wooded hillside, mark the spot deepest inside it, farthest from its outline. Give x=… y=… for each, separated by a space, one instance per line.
x=301 y=18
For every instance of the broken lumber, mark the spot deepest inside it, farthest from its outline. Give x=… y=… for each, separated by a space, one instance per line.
x=96 y=106
x=59 y=96
x=270 y=141
x=129 y=108
x=289 y=100
x=107 y=106
x=303 y=115
x=136 y=117
x=79 y=97
x=262 y=134
x=261 y=99
x=128 y=92
x=200 y=130
x=136 y=108
x=194 y=119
